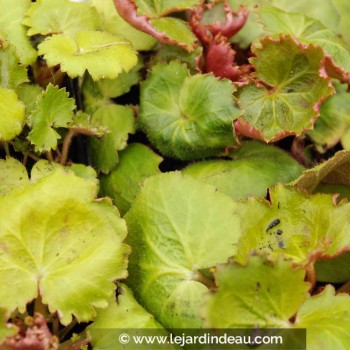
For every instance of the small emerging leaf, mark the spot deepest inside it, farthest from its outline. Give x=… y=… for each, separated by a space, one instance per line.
x=54 y=109
x=120 y=122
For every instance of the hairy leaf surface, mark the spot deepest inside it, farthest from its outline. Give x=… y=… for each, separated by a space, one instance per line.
x=185 y=116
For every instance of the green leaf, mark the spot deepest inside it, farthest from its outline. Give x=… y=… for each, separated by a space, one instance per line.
x=343 y=8
x=136 y=163
x=60 y=17
x=175 y=29
x=327 y=320
x=121 y=316
x=335 y=171
x=336 y=270
x=168 y=53
x=11 y=114
x=324 y=11
x=44 y=168
x=253 y=29
x=178 y=226
x=294 y=89
x=57 y=241
x=6 y=330
x=113 y=23
x=99 y=93
x=28 y=94
x=11 y=18
x=86 y=52
x=247 y=177
x=184 y=116
x=12 y=174
x=159 y=8
x=120 y=122
x=333 y=121
x=12 y=72
x=340 y=190
x=54 y=109
x=257 y=295
x=309 y=31
x=85 y=124
x=294 y=225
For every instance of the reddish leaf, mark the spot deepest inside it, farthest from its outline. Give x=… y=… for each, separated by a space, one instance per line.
x=127 y=9
x=33 y=335
x=220 y=60
x=234 y=22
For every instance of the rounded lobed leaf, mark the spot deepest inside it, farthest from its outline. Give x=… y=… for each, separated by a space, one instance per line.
x=256 y=295
x=292 y=87
x=178 y=226
x=123 y=315
x=86 y=52
x=294 y=225
x=326 y=317
x=57 y=241
x=184 y=116
x=60 y=17
x=251 y=174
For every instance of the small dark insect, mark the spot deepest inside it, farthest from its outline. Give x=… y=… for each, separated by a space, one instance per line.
x=279 y=232
x=280 y=244
x=273 y=224
x=290 y=90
